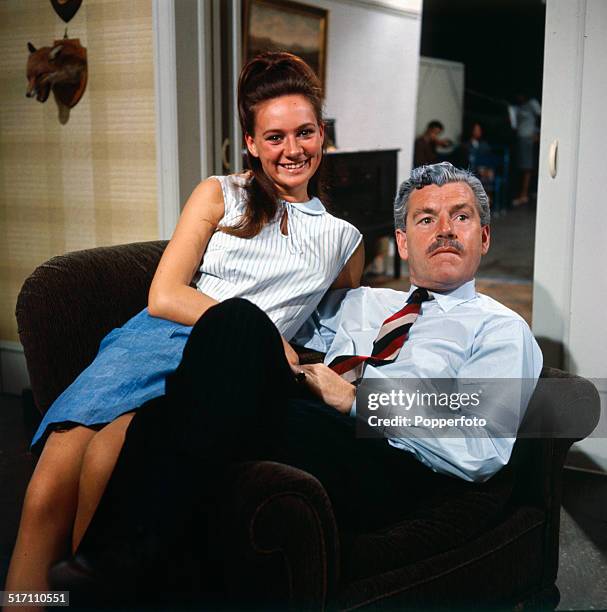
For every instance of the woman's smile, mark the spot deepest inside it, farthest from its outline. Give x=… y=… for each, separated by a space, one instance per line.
x=294 y=167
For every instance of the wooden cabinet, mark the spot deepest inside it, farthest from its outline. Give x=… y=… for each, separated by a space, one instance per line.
x=361 y=186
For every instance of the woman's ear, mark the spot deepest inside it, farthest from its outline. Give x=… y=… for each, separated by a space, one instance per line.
x=251 y=146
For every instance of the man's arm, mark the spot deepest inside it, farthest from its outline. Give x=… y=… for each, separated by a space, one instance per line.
x=506 y=350
x=318 y=332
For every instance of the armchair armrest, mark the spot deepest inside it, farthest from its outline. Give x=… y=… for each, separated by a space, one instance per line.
x=564 y=409
x=563 y=413
x=283 y=539
x=68 y=304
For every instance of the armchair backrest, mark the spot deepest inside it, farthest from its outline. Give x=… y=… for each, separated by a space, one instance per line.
x=68 y=304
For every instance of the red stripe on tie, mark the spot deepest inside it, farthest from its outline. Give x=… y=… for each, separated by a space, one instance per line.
x=408 y=309
x=348 y=364
x=395 y=344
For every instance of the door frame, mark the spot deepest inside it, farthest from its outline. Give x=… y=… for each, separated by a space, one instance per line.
x=189 y=101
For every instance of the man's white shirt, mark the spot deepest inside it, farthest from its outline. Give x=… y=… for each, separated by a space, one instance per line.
x=459 y=335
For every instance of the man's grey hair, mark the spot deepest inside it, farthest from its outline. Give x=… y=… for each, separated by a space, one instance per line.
x=439 y=174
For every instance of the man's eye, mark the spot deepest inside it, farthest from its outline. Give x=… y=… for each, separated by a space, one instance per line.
x=462 y=217
x=426 y=220
x=274 y=138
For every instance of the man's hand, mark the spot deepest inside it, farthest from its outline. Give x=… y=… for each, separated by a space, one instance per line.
x=292 y=356
x=329 y=386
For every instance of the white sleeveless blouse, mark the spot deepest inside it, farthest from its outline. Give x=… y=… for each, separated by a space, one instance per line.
x=285 y=275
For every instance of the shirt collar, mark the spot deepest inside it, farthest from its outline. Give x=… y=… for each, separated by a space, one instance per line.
x=311 y=207
x=449 y=300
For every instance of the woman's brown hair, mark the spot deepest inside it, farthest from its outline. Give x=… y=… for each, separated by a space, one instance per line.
x=267 y=76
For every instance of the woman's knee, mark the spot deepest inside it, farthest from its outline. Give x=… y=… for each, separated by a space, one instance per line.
x=94 y=462
x=102 y=451
x=53 y=488
x=49 y=497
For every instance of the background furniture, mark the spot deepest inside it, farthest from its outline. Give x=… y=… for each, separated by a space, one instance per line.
x=282 y=546
x=362 y=187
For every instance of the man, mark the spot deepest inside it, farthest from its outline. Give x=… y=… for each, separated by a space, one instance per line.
x=424 y=152
x=442 y=230
x=234 y=397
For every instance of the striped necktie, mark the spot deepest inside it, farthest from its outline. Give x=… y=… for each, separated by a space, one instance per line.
x=392 y=335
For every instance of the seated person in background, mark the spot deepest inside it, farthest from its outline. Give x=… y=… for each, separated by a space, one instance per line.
x=474 y=153
x=424 y=152
x=235 y=397
x=473 y=147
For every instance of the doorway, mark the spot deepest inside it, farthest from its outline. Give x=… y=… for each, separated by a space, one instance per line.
x=478 y=60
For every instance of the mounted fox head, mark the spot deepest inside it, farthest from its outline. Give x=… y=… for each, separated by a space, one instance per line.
x=62 y=68
x=40 y=71
x=63 y=65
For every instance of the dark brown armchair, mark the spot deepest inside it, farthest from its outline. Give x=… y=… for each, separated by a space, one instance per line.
x=283 y=547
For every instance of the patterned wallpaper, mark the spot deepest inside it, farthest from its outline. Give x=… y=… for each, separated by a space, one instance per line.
x=92 y=181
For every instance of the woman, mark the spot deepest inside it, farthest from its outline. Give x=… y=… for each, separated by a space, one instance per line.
x=474 y=149
x=262 y=238
x=475 y=154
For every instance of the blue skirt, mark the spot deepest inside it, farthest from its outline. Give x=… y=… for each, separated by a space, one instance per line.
x=130 y=369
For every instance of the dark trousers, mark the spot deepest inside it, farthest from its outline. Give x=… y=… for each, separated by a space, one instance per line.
x=233 y=398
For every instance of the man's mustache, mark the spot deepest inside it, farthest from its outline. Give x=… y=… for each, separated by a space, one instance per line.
x=445 y=243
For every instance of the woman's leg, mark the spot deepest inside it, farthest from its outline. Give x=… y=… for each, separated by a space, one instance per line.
x=48 y=510
x=99 y=460
x=226 y=401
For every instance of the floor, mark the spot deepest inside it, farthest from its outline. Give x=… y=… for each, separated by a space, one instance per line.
x=583 y=553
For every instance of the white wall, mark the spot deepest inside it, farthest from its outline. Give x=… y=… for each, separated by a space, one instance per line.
x=570 y=282
x=441 y=96
x=372 y=63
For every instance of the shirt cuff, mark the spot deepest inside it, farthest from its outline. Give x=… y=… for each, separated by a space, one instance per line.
x=352 y=412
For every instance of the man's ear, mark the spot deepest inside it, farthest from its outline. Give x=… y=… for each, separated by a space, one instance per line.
x=251 y=146
x=401 y=243
x=485 y=239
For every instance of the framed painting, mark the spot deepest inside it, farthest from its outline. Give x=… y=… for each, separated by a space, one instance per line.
x=283 y=25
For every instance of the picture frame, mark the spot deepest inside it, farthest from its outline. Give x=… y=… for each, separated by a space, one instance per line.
x=285 y=25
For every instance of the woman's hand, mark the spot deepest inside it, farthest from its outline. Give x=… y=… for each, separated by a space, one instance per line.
x=292 y=356
x=330 y=387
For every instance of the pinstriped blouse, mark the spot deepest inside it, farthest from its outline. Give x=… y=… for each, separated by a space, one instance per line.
x=285 y=275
